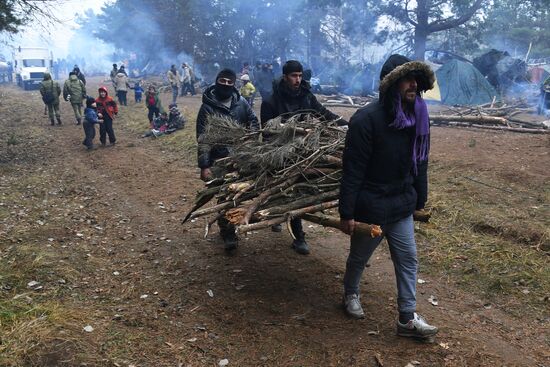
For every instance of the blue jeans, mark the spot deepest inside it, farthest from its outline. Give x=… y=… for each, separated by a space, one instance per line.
x=400 y=237
x=174 y=93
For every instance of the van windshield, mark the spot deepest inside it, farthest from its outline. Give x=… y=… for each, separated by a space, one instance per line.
x=34 y=62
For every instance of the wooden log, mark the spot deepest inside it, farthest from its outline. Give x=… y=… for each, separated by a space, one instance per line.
x=371 y=229
x=356 y=106
x=297 y=204
x=498 y=128
x=472 y=119
x=289 y=215
x=260 y=199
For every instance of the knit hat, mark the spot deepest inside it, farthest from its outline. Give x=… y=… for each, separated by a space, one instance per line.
x=292 y=66
x=245 y=77
x=227 y=74
x=90 y=101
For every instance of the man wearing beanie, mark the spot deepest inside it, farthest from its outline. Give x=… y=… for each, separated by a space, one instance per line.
x=292 y=95
x=384 y=181
x=222 y=98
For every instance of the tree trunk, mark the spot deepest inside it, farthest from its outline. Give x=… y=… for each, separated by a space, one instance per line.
x=421 y=29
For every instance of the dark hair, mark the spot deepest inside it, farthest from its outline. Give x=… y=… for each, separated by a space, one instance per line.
x=90 y=101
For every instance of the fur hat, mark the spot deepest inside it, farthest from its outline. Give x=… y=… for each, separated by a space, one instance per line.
x=398 y=66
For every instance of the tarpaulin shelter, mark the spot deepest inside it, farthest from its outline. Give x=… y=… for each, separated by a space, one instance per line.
x=460 y=83
x=539 y=73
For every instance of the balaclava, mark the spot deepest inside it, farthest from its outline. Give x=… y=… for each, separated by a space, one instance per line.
x=224 y=92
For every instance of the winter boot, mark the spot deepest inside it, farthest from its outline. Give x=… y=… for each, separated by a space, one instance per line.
x=58 y=120
x=52 y=121
x=78 y=121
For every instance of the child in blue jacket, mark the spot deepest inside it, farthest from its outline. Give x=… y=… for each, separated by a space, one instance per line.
x=138 y=90
x=91 y=117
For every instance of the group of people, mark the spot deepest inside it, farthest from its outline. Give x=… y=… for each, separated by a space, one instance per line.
x=101 y=110
x=181 y=83
x=384 y=169
x=385 y=159
x=74 y=91
x=121 y=85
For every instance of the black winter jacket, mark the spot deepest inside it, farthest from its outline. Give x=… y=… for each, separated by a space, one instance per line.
x=378 y=185
x=282 y=102
x=239 y=111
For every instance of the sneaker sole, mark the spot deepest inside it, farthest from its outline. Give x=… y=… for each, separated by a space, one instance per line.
x=412 y=334
x=353 y=316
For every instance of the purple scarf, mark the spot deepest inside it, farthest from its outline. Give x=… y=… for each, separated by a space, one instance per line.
x=420 y=119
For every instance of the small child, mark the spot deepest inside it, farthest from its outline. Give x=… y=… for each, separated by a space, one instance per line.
x=248 y=89
x=91 y=117
x=138 y=91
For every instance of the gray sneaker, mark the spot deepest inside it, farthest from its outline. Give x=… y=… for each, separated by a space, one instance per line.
x=352 y=305
x=416 y=328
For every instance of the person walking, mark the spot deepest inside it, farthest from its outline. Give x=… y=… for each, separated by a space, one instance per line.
x=222 y=98
x=174 y=79
x=91 y=117
x=121 y=87
x=75 y=92
x=187 y=80
x=292 y=95
x=384 y=181
x=50 y=91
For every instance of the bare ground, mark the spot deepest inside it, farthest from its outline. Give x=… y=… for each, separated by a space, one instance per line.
x=100 y=232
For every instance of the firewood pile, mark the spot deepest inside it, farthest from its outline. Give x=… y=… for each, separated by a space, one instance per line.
x=515 y=116
x=275 y=174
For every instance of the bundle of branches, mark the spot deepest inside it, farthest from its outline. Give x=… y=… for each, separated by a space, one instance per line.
x=275 y=174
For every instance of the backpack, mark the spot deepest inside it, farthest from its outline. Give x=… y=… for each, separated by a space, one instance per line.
x=49 y=96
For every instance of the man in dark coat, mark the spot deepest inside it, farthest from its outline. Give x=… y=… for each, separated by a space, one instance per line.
x=385 y=180
x=222 y=98
x=79 y=75
x=292 y=94
x=264 y=81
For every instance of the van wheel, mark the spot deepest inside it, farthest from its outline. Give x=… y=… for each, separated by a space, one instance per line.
x=26 y=86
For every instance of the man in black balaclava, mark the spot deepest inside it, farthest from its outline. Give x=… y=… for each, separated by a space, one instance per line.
x=292 y=95
x=222 y=98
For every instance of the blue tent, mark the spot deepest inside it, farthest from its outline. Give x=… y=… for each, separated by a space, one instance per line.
x=460 y=83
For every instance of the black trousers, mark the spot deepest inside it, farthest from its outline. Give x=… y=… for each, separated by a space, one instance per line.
x=89 y=134
x=297 y=229
x=153 y=111
x=121 y=94
x=106 y=128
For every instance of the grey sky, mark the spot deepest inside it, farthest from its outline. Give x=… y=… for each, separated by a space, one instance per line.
x=59 y=34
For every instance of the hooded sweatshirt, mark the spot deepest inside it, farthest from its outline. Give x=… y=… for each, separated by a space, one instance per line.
x=106 y=106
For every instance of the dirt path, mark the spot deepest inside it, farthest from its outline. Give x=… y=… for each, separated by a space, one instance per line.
x=141 y=279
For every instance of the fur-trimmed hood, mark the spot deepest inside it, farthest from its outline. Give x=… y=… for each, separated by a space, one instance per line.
x=397 y=66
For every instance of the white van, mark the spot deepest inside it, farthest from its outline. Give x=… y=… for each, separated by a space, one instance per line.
x=29 y=66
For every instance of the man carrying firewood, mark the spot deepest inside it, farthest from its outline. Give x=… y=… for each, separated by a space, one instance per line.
x=222 y=98
x=291 y=96
x=384 y=181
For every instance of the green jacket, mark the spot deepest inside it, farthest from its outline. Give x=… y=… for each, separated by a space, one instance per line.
x=75 y=88
x=156 y=99
x=50 y=90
